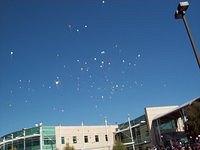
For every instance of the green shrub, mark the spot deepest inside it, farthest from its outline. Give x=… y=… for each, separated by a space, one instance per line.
x=119 y=145
x=68 y=147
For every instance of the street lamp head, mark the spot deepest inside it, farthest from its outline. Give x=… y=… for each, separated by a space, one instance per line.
x=178 y=15
x=183 y=6
x=181 y=9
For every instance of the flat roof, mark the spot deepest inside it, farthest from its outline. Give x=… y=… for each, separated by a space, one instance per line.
x=178 y=108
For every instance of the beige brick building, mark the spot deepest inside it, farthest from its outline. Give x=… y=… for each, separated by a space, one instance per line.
x=85 y=137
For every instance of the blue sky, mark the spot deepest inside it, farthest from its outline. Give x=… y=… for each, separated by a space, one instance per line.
x=70 y=61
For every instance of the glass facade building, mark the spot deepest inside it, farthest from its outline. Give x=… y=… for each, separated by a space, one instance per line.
x=139 y=131
x=163 y=126
x=41 y=137
x=171 y=129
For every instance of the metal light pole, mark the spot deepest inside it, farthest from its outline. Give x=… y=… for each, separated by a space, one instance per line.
x=24 y=134
x=180 y=14
x=106 y=126
x=4 y=143
x=41 y=136
x=12 y=140
x=83 y=132
x=60 y=136
x=132 y=140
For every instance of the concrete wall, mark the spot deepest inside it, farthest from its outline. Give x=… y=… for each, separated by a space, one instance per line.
x=69 y=131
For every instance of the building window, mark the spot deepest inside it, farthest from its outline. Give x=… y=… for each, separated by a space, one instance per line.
x=106 y=137
x=49 y=142
x=96 y=138
x=62 y=140
x=74 y=139
x=86 y=139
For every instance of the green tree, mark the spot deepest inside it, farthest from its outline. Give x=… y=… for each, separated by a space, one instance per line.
x=193 y=123
x=68 y=147
x=119 y=145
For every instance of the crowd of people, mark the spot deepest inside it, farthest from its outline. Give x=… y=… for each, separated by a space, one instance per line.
x=178 y=145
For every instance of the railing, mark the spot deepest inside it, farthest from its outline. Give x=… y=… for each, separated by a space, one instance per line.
x=18 y=138
x=139 y=141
